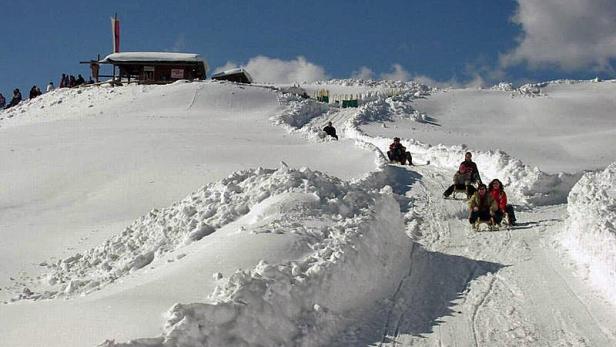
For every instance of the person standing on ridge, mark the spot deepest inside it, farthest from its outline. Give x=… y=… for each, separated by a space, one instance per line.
x=63 y=83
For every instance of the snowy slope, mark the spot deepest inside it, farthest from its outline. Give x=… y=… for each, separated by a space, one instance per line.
x=217 y=214
x=565 y=128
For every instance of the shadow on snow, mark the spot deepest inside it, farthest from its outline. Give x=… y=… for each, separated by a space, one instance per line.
x=427 y=294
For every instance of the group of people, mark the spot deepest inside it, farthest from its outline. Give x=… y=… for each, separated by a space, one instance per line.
x=16 y=99
x=66 y=81
x=35 y=91
x=70 y=81
x=485 y=203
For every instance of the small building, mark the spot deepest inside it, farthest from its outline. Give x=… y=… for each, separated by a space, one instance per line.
x=234 y=75
x=156 y=67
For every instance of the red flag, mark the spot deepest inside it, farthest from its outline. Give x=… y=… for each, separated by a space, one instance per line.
x=115 y=30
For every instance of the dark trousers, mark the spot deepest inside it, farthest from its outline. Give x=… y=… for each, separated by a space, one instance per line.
x=470 y=190
x=510 y=213
x=400 y=156
x=499 y=215
x=481 y=215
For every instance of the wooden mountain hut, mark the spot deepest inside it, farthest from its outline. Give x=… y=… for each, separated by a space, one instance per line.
x=156 y=67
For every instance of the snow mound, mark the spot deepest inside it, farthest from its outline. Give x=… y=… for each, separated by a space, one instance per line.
x=165 y=230
x=298 y=112
x=590 y=232
x=530 y=89
x=503 y=87
x=359 y=256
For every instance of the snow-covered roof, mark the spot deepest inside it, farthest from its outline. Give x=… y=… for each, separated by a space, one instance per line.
x=152 y=56
x=236 y=71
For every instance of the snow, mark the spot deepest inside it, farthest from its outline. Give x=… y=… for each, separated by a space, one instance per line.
x=590 y=232
x=212 y=213
x=151 y=56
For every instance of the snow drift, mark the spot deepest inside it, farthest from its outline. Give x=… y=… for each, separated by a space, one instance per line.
x=590 y=232
x=357 y=237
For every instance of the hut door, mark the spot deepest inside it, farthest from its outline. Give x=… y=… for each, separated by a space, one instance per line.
x=148 y=73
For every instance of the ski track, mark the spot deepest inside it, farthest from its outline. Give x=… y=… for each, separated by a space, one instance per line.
x=500 y=307
x=194 y=98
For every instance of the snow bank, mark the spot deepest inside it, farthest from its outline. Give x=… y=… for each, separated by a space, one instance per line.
x=163 y=231
x=298 y=112
x=590 y=232
x=524 y=184
x=359 y=255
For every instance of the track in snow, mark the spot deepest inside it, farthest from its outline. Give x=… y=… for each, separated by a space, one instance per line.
x=466 y=288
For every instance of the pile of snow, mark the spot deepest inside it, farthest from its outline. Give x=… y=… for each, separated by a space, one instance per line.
x=503 y=87
x=590 y=230
x=357 y=238
x=530 y=89
x=298 y=111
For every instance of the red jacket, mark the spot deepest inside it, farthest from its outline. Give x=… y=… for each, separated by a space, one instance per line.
x=500 y=198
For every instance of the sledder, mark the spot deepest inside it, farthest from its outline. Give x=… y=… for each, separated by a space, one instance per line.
x=464 y=178
x=495 y=189
x=482 y=208
x=397 y=152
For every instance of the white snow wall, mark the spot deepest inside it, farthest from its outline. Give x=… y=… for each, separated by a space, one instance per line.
x=590 y=231
x=302 y=302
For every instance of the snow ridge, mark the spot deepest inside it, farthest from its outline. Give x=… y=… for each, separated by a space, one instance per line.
x=163 y=231
x=590 y=232
x=298 y=112
x=303 y=302
x=527 y=185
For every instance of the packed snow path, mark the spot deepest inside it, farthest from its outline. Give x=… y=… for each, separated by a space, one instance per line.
x=481 y=289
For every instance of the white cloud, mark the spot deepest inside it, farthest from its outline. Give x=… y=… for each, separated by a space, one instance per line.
x=398 y=74
x=570 y=34
x=272 y=70
x=364 y=73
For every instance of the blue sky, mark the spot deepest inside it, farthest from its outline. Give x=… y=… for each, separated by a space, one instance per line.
x=455 y=42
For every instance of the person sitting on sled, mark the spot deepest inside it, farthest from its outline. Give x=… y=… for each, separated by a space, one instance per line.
x=397 y=152
x=495 y=188
x=482 y=206
x=330 y=130
x=466 y=175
